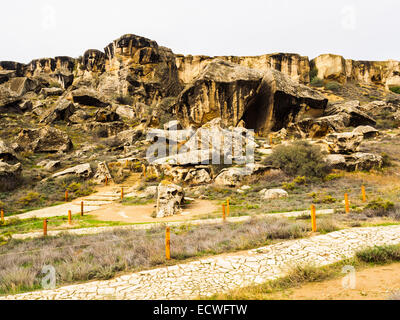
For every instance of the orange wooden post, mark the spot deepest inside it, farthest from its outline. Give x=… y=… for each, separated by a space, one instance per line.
x=346 y=202
x=223 y=213
x=44 y=227
x=364 y=196
x=2 y=215
x=122 y=193
x=106 y=180
x=313 y=219
x=227 y=207
x=81 y=208
x=270 y=140
x=168 y=243
x=126 y=163
x=144 y=170
x=69 y=217
x=66 y=195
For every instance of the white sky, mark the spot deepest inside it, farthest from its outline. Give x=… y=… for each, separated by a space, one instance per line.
x=356 y=29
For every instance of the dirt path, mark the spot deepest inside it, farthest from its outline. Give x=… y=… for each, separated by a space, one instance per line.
x=376 y=283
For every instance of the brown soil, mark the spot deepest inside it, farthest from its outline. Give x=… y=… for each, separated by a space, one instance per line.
x=376 y=283
x=142 y=213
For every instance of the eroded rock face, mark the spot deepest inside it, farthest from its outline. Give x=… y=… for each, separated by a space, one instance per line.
x=169 y=199
x=6 y=152
x=46 y=139
x=102 y=173
x=63 y=110
x=139 y=68
x=351 y=113
x=367 y=131
x=9 y=176
x=344 y=143
x=230 y=177
x=330 y=66
x=264 y=101
x=294 y=65
x=82 y=170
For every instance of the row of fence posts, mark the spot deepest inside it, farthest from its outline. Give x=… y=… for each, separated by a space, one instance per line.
x=225 y=214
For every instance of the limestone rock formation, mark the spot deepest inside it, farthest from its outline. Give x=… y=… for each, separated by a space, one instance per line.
x=63 y=110
x=169 y=199
x=351 y=112
x=6 y=152
x=46 y=139
x=263 y=100
x=82 y=170
x=335 y=67
x=367 y=131
x=9 y=176
x=344 y=143
x=273 y=194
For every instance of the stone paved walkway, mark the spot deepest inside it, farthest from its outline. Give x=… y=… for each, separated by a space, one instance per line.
x=225 y=272
x=94 y=230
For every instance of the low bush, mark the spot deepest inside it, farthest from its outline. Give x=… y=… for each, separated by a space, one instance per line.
x=380 y=254
x=299 y=159
x=395 y=89
x=317 y=82
x=333 y=86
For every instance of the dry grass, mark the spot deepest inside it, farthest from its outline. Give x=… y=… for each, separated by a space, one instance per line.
x=101 y=256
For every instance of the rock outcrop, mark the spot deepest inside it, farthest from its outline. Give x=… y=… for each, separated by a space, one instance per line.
x=9 y=176
x=169 y=199
x=46 y=139
x=335 y=67
x=264 y=101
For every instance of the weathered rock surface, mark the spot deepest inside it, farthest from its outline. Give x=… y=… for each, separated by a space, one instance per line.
x=367 y=131
x=6 y=152
x=344 y=143
x=263 y=100
x=169 y=199
x=273 y=194
x=102 y=173
x=9 y=176
x=334 y=67
x=49 y=92
x=352 y=111
x=63 y=110
x=82 y=170
x=230 y=176
x=46 y=139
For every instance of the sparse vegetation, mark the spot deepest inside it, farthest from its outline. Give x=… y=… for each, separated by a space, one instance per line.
x=395 y=89
x=299 y=159
x=101 y=256
x=333 y=86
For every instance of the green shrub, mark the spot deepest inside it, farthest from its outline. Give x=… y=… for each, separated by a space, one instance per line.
x=395 y=89
x=380 y=204
x=317 y=82
x=380 y=254
x=299 y=159
x=313 y=73
x=128 y=100
x=333 y=86
x=31 y=198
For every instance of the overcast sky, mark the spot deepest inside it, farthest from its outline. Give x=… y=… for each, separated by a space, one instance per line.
x=357 y=29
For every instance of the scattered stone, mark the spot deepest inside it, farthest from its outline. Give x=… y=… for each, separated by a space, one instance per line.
x=230 y=176
x=273 y=194
x=363 y=161
x=50 y=165
x=50 y=92
x=198 y=176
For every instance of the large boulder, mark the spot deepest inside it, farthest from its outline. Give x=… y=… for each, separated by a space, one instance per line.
x=46 y=139
x=50 y=92
x=89 y=97
x=353 y=113
x=6 y=152
x=82 y=171
x=273 y=194
x=345 y=142
x=263 y=100
x=360 y=161
x=9 y=176
x=63 y=110
x=367 y=131
x=170 y=197
x=230 y=177
x=102 y=173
